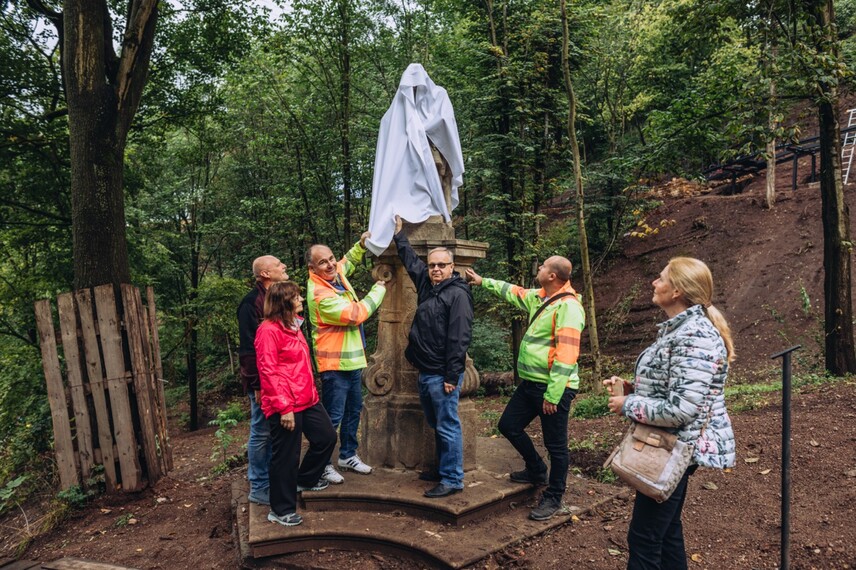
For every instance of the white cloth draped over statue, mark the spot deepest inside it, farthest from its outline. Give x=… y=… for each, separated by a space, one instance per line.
x=406 y=181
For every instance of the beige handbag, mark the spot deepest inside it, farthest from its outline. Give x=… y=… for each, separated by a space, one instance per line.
x=651 y=460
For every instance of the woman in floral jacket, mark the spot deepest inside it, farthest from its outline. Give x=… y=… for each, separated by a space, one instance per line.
x=679 y=386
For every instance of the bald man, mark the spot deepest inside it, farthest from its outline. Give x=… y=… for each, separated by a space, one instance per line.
x=267 y=269
x=547 y=366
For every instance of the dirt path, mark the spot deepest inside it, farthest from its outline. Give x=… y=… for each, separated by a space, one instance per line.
x=186 y=520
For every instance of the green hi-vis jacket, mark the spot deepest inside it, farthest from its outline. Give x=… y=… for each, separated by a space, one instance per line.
x=336 y=316
x=551 y=345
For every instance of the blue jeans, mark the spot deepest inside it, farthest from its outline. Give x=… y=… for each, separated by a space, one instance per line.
x=441 y=412
x=342 y=396
x=258 y=449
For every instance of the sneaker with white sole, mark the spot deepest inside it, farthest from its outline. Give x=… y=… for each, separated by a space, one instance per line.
x=354 y=463
x=332 y=476
x=319 y=486
x=290 y=519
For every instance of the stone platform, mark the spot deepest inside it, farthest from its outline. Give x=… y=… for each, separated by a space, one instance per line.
x=385 y=512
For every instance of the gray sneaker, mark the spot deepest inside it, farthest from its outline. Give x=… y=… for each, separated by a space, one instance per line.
x=290 y=519
x=319 y=486
x=545 y=510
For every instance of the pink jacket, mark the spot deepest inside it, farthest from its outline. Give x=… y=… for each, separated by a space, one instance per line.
x=285 y=371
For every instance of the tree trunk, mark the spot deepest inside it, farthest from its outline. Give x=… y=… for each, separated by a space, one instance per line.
x=345 y=22
x=103 y=92
x=591 y=315
x=772 y=123
x=837 y=248
x=771 y=149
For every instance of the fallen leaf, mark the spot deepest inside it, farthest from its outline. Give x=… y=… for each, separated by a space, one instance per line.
x=813 y=443
x=710 y=486
x=752 y=459
x=132 y=521
x=851 y=473
x=188 y=505
x=139 y=550
x=765 y=471
x=575 y=518
x=607 y=527
x=727 y=470
x=613 y=551
x=106 y=511
x=696 y=557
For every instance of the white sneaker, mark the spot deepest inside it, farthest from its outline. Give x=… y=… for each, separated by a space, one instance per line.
x=354 y=463
x=332 y=475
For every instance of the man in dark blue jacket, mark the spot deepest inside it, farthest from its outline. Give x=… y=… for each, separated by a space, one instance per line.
x=437 y=348
x=267 y=269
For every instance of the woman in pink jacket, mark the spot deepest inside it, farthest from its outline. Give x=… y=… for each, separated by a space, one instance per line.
x=290 y=403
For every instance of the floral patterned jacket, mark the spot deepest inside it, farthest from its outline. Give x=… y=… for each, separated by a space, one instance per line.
x=680 y=377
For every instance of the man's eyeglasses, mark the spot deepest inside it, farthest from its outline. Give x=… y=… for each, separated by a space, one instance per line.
x=438 y=265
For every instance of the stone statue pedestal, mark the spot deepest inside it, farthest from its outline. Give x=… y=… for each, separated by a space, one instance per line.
x=394 y=433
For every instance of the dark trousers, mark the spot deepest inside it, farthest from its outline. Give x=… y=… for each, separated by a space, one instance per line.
x=656 y=535
x=525 y=405
x=285 y=475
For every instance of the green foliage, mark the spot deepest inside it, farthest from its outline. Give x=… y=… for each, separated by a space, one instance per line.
x=8 y=492
x=490 y=348
x=592 y=406
x=75 y=497
x=225 y=421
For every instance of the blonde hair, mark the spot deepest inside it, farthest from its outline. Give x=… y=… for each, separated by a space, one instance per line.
x=693 y=279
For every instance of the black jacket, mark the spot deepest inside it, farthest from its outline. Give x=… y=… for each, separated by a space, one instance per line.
x=250 y=313
x=443 y=325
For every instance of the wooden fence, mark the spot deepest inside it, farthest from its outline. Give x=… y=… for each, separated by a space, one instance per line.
x=109 y=408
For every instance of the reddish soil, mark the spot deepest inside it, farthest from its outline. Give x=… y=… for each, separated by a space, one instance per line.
x=734 y=526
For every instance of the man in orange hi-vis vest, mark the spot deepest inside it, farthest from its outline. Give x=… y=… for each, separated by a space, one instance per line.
x=337 y=315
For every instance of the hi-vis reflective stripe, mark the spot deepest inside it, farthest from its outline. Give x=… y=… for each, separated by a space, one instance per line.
x=529 y=339
x=339 y=355
x=533 y=369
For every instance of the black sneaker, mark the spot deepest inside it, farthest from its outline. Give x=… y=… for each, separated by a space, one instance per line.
x=525 y=476
x=548 y=507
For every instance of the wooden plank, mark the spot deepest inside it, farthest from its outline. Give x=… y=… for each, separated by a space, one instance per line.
x=92 y=356
x=142 y=385
x=155 y=360
x=56 y=396
x=114 y=369
x=82 y=424
x=80 y=564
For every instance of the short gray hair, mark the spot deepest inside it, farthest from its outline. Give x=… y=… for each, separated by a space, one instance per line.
x=442 y=250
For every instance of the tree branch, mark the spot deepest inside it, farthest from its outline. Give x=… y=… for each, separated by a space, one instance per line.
x=134 y=62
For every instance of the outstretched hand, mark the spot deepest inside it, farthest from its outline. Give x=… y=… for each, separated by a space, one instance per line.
x=474 y=277
x=366 y=235
x=398 y=223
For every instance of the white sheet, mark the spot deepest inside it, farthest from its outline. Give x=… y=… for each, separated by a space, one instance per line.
x=405 y=177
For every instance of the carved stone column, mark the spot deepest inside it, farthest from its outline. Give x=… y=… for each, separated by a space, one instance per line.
x=394 y=431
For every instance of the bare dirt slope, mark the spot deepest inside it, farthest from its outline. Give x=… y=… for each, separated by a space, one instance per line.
x=767 y=267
